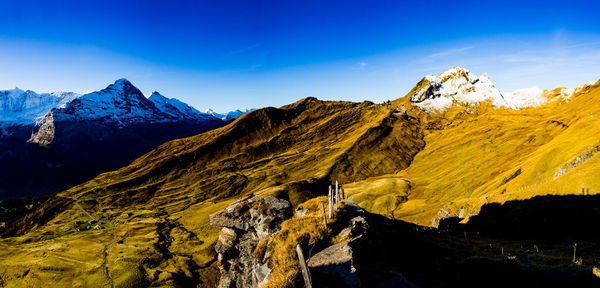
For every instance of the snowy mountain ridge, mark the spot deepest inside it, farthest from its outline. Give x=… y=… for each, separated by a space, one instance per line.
x=459 y=86
x=229 y=115
x=176 y=108
x=24 y=107
x=120 y=102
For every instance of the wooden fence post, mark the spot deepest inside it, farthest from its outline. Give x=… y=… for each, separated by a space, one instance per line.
x=336 y=195
x=330 y=206
x=303 y=267
x=324 y=216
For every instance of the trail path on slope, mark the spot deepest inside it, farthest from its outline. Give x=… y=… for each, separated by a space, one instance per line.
x=76 y=202
x=591 y=115
x=106 y=247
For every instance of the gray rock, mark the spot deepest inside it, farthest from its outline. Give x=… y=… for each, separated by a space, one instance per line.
x=246 y=222
x=337 y=261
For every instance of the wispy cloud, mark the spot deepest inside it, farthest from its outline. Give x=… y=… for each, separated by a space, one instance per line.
x=360 y=65
x=449 y=52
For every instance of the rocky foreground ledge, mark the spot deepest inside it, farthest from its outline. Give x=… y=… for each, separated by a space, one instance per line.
x=249 y=225
x=256 y=248
x=245 y=223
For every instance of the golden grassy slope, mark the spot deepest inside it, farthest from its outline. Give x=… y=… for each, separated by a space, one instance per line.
x=394 y=159
x=292 y=152
x=465 y=162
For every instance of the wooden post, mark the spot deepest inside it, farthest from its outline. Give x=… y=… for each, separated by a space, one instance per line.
x=303 y=267
x=574 y=251
x=337 y=194
x=324 y=216
x=330 y=207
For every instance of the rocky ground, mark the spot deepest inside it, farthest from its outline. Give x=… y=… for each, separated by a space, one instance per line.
x=368 y=250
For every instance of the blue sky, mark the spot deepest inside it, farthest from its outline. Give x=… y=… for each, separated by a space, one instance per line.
x=239 y=54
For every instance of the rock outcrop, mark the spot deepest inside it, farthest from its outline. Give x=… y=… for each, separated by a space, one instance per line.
x=245 y=223
x=338 y=262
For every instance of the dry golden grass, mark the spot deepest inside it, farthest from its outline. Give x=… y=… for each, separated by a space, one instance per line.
x=465 y=162
x=282 y=246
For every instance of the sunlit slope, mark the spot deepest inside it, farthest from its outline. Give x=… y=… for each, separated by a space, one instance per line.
x=308 y=140
x=293 y=152
x=393 y=159
x=489 y=155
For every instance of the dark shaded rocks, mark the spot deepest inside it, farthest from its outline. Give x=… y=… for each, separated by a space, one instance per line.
x=338 y=262
x=45 y=131
x=245 y=223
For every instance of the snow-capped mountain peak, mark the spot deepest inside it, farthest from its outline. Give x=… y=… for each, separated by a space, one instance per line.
x=455 y=85
x=24 y=107
x=215 y=114
x=120 y=101
x=229 y=115
x=121 y=83
x=176 y=108
x=459 y=86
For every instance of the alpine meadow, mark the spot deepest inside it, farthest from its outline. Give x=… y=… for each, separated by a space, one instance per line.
x=364 y=147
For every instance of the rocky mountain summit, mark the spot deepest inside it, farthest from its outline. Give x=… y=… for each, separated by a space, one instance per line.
x=52 y=141
x=459 y=86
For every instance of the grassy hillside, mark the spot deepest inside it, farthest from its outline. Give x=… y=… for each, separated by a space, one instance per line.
x=292 y=152
x=477 y=155
x=393 y=159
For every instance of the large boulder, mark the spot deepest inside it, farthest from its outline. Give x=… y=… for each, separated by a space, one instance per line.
x=245 y=223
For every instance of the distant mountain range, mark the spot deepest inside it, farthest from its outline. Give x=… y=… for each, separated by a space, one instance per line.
x=51 y=141
x=229 y=115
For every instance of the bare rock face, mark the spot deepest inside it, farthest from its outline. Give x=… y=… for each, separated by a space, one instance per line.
x=245 y=223
x=337 y=263
x=45 y=133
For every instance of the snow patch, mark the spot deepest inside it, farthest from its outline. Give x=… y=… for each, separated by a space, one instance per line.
x=526 y=97
x=456 y=85
x=459 y=86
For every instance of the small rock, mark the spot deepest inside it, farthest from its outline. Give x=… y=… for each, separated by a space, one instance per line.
x=226 y=243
